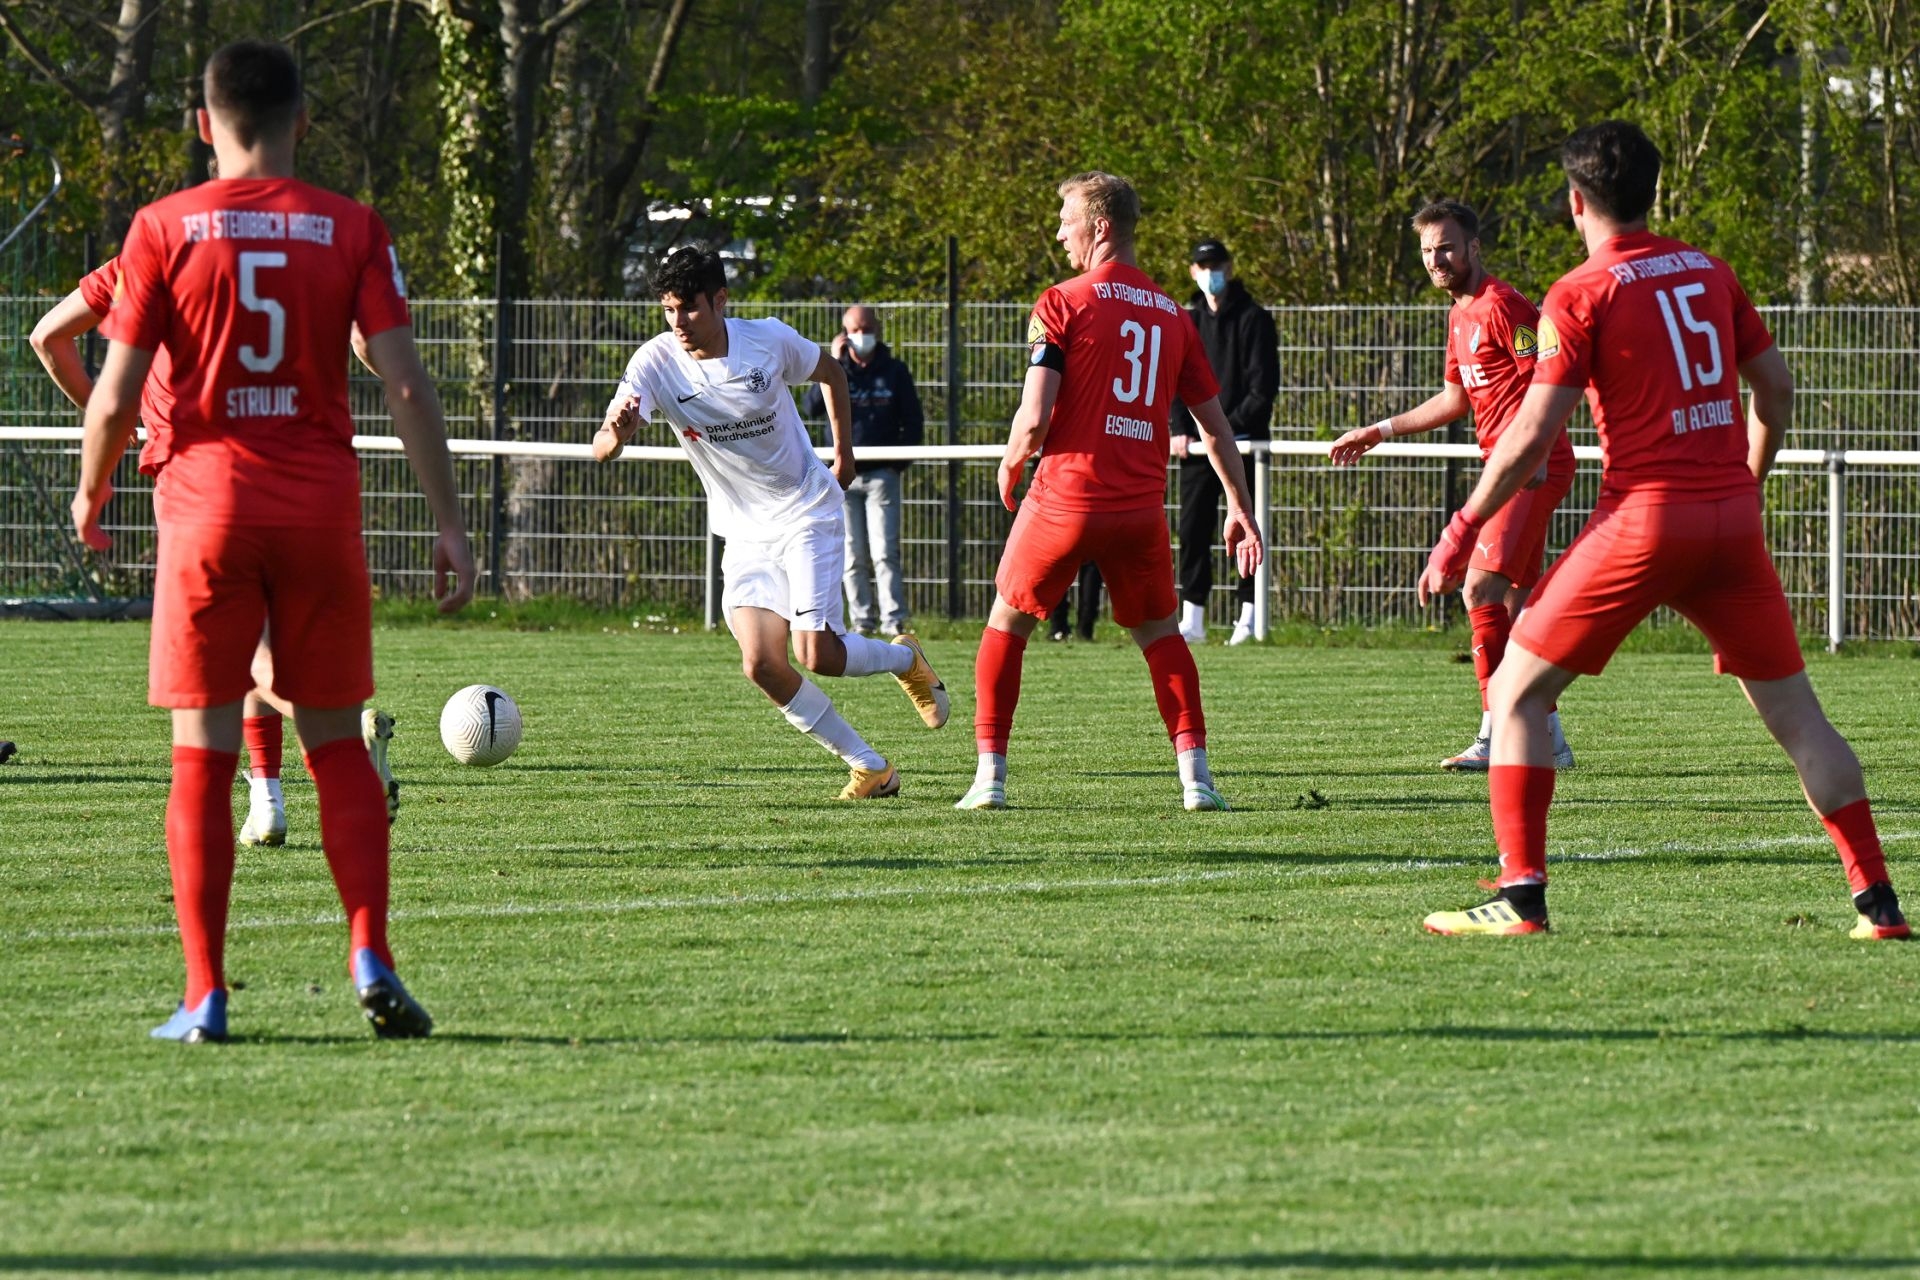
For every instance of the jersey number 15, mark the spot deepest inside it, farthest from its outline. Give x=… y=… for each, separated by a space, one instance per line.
x=1677 y=309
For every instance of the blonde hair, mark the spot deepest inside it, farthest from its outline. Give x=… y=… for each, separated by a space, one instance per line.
x=1102 y=195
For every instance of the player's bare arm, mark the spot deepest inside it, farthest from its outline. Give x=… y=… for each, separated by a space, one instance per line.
x=418 y=421
x=618 y=427
x=1517 y=459
x=113 y=413
x=56 y=341
x=1449 y=404
x=832 y=379
x=1769 y=408
x=1029 y=431
x=1240 y=531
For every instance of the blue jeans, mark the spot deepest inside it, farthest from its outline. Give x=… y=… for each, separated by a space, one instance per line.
x=873 y=552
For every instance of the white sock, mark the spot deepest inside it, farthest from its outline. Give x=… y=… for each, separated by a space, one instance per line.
x=812 y=713
x=265 y=789
x=991 y=771
x=1193 y=768
x=1486 y=725
x=869 y=657
x=1193 y=617
x=1246 y=616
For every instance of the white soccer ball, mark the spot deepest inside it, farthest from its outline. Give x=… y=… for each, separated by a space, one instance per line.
x=480 y=725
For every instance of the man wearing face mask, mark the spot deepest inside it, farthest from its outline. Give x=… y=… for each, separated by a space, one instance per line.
x=1243 y=347
x=886 y=412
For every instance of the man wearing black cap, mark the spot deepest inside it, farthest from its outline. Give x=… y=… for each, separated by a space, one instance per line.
x=1244 y=349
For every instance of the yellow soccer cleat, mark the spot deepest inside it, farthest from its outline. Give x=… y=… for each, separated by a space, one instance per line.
x=1881 y=919
x=266 y=824
x=923 y=688
x=872 y=784
x=1495 y=917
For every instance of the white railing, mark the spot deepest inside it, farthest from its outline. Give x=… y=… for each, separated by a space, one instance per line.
x=1835 y=462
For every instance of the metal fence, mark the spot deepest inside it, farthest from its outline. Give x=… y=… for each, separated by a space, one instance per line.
x=1346 y=544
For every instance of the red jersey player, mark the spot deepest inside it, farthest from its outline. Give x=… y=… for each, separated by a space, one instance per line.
x=1652 y=331
x=1491 y=340
x=55 y=340
x=1110 y=353
x=252 y=284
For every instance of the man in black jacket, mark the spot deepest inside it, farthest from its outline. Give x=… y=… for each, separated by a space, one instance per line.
x=886 y=411
x=1244 y=349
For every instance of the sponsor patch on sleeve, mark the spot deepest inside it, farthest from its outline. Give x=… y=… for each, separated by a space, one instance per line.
x=1526 y=343
x=1548 y=339
x=1036 y=331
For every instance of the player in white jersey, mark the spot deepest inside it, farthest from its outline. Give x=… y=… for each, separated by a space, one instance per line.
x=724 y=387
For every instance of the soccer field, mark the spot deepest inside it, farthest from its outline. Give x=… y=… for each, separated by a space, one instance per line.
x=695 y=1017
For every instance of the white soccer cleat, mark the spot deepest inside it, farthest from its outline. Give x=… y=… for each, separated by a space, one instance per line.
x=1198 y=797
x=1473 y=760
x=376 y=730
x=1562 y=752
x=986 y=795
x=266 y=824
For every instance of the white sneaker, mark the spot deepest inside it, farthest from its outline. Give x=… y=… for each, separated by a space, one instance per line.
x=1193 y=623
x=266 y=824
x=1473 y=760
x=1198 y=797
x=987 y=795
x=1242 y=632
x=376 y=730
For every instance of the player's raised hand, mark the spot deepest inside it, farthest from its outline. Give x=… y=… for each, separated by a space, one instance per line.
x=621 y=421
x=1242 y=538
x=1349 y=448
x=1447 y=565
x=86 y=518
x=453 y=571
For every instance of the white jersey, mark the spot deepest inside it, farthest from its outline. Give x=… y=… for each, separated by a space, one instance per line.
x=736 y=420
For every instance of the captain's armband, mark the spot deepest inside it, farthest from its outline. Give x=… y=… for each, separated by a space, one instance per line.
x=1048 y=356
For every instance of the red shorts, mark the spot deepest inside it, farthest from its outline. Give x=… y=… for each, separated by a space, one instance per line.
x=1047 y=548
x=215 y=585
x=1514 y=542
x=1707 y=560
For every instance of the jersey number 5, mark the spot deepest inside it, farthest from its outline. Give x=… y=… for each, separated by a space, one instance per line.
x=1677 y=308
x=276 y=315
x=1151 y=372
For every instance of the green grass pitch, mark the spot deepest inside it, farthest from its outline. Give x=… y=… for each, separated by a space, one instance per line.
x=696 y=1018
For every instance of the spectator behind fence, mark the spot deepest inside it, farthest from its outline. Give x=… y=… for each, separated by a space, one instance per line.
x=886 y=412
x=1243 y=347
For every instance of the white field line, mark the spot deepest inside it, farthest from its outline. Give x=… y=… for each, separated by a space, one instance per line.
x=1005 y=889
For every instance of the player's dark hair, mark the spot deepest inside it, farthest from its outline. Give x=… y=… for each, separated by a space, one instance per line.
x=1616 y=167
x=688 y=272
x=254 y=87
x=1440 y=211
x=1102 y=195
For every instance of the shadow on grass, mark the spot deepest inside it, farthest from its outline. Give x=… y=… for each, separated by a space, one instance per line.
x=1302 y=1261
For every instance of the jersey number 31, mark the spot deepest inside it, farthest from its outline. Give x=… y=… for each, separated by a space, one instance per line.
x=1128 y=392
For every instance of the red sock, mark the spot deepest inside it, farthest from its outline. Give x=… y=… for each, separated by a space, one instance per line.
x=996 y=688
x=1520 y=794
x=353 y=831
x=1176 y=687
x=1492 y=624
x=263 y=744
x=200 y=856
x=1859 y=845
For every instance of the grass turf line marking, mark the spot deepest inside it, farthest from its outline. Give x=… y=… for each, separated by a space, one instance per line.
x=1017 y=888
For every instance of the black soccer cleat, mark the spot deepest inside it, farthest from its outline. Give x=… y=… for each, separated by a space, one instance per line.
x=395 y=1015
x=7 y=750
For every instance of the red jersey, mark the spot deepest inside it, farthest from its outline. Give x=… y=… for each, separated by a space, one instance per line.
x=1492 y=338
x=156 y=397
x=251 y=286
x=1655 y=331
x=1130 y=352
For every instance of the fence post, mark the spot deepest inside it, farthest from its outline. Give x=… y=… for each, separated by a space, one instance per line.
x=1836 y=549
x=955 y=602
x=502 y=354
x=1263 y=514
x=713 y=581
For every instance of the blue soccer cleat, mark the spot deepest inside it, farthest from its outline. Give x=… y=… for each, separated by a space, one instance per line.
x=395 y=1015
x=205 y=1024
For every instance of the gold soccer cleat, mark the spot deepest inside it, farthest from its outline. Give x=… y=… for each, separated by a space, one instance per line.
x=872 y=784
x=923 y=688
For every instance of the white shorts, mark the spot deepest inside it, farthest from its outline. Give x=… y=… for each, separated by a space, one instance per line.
x=797 y=577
